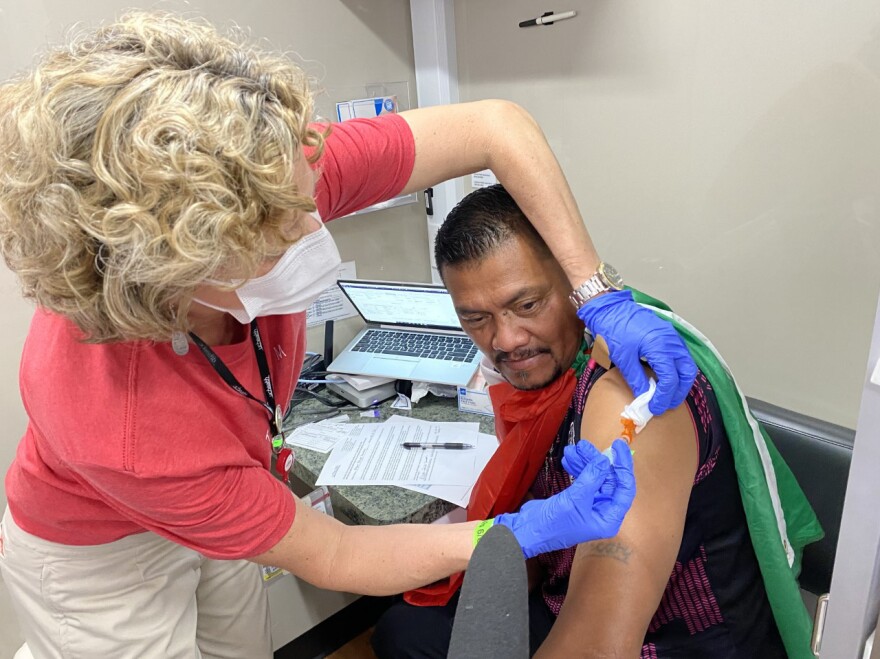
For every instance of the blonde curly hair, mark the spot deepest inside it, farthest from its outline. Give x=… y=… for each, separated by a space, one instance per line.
x=141 y=159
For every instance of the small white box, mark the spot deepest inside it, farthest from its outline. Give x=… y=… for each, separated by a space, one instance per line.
x=366 y=108
x=475 y=397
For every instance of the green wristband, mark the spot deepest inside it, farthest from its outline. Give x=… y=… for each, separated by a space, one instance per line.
x=481 y=529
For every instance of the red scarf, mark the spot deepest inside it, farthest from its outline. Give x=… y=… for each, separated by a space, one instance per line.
x=526 y=423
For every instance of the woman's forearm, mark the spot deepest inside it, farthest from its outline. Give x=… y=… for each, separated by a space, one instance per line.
x=370 y=560
x=391 y=559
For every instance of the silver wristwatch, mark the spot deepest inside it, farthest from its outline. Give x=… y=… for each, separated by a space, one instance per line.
x=606 y=279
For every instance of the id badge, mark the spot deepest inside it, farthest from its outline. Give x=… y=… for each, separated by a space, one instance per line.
x=284 y=463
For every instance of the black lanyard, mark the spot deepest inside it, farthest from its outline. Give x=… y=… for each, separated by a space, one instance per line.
x=275 y=414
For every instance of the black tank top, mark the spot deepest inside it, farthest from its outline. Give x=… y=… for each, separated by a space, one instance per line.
x=714 y=605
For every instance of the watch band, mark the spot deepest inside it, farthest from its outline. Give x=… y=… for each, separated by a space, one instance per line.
x=588 y=290
x=606 y=278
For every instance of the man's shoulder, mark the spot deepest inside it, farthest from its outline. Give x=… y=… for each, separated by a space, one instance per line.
x=667 y=438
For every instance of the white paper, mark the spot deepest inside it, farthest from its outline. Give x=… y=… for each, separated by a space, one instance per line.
x=320 y=437
x=457 y=494
x=419 y=391
x=875 y=375
x=371 y=454
x=460 y=495
x=360 y=382
x=332 y=303
x=402 y=402
x=339 y=418
x=464 y=427
x=454 y=516
x=483 y=179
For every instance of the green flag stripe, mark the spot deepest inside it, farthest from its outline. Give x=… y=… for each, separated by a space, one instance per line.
x=778 y=548
x=760 y=444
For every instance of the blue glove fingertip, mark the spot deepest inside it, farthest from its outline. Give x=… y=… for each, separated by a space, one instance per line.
x=624 y=472
x=661 y=402
x=623 y=454
x=577 y=456
x=586 y=448
x=632 y=371
x=572 y=461
x=668 y=383
x=687 y=372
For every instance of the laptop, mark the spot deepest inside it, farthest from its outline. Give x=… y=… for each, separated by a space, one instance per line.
x=412 y=333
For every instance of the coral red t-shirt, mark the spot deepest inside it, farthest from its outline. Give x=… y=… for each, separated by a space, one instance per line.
x=130 y=437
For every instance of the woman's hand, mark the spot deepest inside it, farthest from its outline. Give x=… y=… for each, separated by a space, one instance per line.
x=632 y=333
x=593 y=507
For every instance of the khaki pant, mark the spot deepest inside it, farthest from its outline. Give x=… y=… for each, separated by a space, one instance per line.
x=139 y=597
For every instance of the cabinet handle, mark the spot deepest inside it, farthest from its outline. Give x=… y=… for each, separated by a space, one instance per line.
x=819 y=624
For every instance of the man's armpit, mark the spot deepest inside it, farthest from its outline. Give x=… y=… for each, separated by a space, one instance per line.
x=613 y=549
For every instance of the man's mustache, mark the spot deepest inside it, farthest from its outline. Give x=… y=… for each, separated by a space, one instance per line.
x=501 y=356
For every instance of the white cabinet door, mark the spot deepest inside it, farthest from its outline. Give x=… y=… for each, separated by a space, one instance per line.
x=855 y=586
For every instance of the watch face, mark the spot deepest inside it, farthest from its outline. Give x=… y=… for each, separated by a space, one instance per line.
x=611 y=275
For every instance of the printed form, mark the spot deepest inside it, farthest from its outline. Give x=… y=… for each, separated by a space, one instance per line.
x=460 y=495
x=371 y=454
x=320 y=437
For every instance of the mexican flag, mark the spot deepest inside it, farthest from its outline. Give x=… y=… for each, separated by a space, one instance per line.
x=780 y=520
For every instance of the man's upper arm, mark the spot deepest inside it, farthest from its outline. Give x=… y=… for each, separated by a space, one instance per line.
x=616 y=585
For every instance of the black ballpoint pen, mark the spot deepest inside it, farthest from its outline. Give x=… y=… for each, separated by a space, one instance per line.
x=446 y=445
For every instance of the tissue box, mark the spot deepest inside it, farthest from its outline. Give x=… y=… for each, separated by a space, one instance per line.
x=475 y=397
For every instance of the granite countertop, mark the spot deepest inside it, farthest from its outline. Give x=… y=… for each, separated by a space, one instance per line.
x=378 y=504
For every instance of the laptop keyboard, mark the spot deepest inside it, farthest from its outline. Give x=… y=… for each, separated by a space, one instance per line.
x=430 y=346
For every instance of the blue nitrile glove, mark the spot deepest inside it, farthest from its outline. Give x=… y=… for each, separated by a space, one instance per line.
x=576 y=456
x=576 y=515
x=632 y=333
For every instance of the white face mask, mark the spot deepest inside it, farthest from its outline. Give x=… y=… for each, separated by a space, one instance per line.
x=303 y=272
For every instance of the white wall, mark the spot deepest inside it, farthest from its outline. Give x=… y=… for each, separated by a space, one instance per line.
x=343 y=43
x=726 y=158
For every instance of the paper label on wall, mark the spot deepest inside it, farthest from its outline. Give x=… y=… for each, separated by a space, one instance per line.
x=269 y=572
x=483 y=179
x=332 y=303
x=875 y=374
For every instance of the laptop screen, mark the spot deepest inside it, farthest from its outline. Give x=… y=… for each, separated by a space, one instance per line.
x=391 y=303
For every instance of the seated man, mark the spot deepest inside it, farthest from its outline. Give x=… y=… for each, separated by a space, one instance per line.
x=682 y=577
